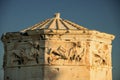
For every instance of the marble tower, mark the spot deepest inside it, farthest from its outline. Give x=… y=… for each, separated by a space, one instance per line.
x=57 y=49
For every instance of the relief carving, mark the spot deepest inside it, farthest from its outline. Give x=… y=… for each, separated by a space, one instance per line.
x=99 y=60
x=74 y=53
x=35 y=51
x=70 y=52
x=21 y=57
x=24 y=54
x=56 y=55
x=101 y=55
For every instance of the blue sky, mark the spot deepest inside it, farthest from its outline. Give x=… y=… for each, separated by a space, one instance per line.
x=101 y=15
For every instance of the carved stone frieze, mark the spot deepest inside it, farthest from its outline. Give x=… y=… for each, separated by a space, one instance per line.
x=57 y=49
x=101 y=54
x=73 y=53
x=24 y=54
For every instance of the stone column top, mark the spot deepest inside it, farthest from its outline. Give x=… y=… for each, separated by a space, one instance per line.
x=57 y=15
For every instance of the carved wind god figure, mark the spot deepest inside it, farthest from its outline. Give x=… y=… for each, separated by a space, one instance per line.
x=21 y=57
x=35 y=51
x=76 y=52
x=61 y=55
x=56 y=54
x=26 y=54
x=101 y=55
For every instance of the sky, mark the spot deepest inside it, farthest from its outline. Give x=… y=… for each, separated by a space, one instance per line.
x=101 y=15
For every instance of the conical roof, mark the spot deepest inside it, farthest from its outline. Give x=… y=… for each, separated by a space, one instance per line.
x=57 y=26
x=56 y=23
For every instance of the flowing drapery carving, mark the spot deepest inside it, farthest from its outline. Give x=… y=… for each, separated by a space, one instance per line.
x=74 y=52
x=101 y=54
x=25 y=54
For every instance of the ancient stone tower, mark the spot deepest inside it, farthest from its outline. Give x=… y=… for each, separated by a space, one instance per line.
x=57 y=49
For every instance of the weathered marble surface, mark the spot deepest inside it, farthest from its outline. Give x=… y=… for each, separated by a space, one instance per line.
x=57 y=54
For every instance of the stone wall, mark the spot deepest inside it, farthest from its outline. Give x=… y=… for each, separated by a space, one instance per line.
x=57 y=55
